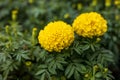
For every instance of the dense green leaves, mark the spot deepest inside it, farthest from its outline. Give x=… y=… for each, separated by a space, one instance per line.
x=55 y=63
x=42 y=73
x=75 y=69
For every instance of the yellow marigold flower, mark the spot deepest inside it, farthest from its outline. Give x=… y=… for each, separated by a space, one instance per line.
x=56 y=36
x=90 y=24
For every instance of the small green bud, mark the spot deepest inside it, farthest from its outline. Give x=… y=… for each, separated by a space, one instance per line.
x=95 y=67
x=94 y=3
x=86 y=75
x=7 y=29
x=98 y=40
x=34 y=34
x=107 y=3
x=28 y=63
x=105 y=70
x=31 y=1
x=67 y=15
x=79 y=6
x=14 y=14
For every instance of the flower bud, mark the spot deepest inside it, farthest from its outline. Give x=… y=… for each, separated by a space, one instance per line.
x=79 y=6
x=117 y=2
x=107 y=3
x=98 y=39
x=34 y=34
x=95 y=67
x=105 y=70
x=67 y=15
x=7 y=29
x=94 y=3
x=14 y=14
x=86 y=75
x=28 y=63
x=30 y=1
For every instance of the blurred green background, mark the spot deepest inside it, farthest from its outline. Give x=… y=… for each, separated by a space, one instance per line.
x=37 y=13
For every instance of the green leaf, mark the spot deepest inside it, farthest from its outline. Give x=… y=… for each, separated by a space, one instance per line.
x=77 y=50
x=42 y=66
x=4 y=56
x=69 y=67
x=43 y=76
x=63 y=78
x=85 y=47
x=40 y=72
x=98 y=74
x=21 y=55
x=48 y=75
x=92 y=78
x=41 y=54
x=52 y=67
x=9 y=65
x=1 y=77
x=92 y=47
x=93 y=57
x=77 y=75
x=80 y=68
x=60 y=66
x=71 y=72
x=52 y=70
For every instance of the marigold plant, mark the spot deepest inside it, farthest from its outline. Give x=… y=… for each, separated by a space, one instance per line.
x=90 y=25
x=56 y=36
x=56 y=53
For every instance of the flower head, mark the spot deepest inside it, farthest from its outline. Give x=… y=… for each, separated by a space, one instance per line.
x=56 y=36
x=90 y=25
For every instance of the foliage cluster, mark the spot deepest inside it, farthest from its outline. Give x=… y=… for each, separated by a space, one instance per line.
x=22 y=58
